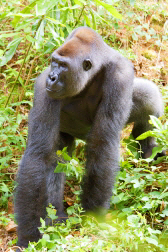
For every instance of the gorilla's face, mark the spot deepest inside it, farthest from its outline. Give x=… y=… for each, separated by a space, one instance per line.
x=68 y=76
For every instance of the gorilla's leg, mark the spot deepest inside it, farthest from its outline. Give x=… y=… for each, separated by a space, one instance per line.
x=55 y=192
x=55 y=181
x=147 y=101
x=148 y=143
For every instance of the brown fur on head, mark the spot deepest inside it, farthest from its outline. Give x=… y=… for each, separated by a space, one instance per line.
x=73 y=48
x=80 y=44
x=87 y=35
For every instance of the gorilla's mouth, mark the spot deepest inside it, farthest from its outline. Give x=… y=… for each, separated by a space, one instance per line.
x=55 y=93
x=54 y=90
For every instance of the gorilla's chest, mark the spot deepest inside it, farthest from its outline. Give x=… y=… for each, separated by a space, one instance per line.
x=77 y=113
x=74 y=125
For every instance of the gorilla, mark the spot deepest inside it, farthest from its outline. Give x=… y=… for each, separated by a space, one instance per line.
x=88 y=92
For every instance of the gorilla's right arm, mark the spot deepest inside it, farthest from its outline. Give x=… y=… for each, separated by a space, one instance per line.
x=43 y=135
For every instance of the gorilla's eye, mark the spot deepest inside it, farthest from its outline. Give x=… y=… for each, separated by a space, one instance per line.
x=62 y=64
x=87 y=64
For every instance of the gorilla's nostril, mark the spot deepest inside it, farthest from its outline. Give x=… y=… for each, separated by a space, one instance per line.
x=53 y=78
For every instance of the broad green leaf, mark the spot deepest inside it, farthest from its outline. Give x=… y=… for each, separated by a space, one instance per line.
x=49 y=47
x=53 y=32
x=152 y=241
x=159 y=160
x=51 y=213
x=165 y=212
x=40 y=35
x=108 y=227
x=52 y=229
x=7 y=35
x=1 y=53
x=145 y=135
x=155 y=150
x=19 y=14
x=133 y=220
x=30 y=39
x=145 y=198
x=4 y=188
x=3 y=14
x=26 y=10
x=43 y=6
x=104 y=20
x=156 y=122
x=69 y=8
x=147 y=206
x=22 y=102
x=80 y=2
x=60 y=168
x=163 y=195
x=66 y=157
x=46 y=237
x=12 y=49
x=136 y=183
x=54 y=21
x=153 y=231
x=74 y=162
x=43 y=242
x=115 y=199
x=87 y=20
x=109 y=8
x=42 y=222
x=155 y=194
x=70 y=210
x=65 y=14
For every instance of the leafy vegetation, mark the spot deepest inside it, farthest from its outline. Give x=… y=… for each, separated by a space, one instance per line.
x=30 y=31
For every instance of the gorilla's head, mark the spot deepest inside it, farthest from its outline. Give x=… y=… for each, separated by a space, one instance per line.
x=74 y=64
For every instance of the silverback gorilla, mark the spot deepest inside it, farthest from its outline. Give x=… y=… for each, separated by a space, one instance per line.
x=88 y=92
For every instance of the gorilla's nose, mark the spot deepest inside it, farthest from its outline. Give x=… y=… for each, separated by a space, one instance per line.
x=53 y=77
x=52 y=82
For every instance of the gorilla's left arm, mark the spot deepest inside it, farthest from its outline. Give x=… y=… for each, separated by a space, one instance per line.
x=104 y=138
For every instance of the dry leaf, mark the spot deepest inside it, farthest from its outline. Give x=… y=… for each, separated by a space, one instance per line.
x=11 y=227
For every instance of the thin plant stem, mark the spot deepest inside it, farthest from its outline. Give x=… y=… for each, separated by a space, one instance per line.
x=77 y=21
x=18 y=75
x=24 y=60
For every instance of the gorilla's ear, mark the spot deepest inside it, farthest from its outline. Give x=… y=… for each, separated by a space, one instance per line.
x=87 y=64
